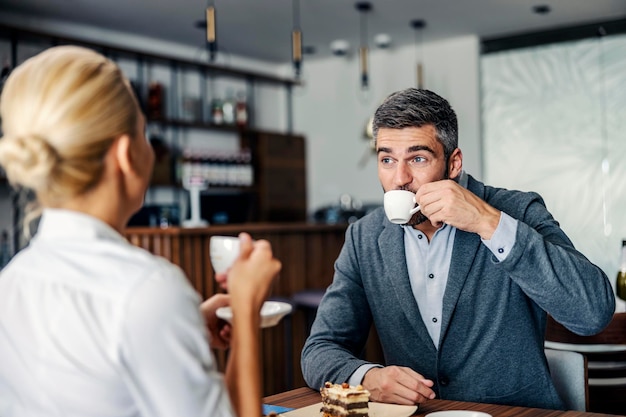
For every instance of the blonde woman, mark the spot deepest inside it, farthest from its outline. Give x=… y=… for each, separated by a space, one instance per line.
x=89 y=324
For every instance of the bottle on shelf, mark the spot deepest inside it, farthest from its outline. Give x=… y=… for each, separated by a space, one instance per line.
x=241 y=110
x=155 y=101
x=228 y=109
x=247 y=171
x=620 y=282
x=185 y=166
x=217 y=113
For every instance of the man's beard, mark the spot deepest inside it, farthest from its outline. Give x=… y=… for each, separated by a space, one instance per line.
x=418 y=218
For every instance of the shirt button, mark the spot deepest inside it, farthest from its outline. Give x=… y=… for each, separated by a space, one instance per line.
x=419 y=236
x=443 y=381
x=431 y=276
x=500 y=250
x=434 y=319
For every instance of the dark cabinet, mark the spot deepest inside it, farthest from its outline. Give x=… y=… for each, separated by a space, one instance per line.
x=281 y=172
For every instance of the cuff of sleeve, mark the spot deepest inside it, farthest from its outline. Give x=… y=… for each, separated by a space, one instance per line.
x=503 y=238
x=357 y=376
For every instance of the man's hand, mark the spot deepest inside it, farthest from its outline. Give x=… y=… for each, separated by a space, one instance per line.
x=447 y=202
x=219 y=330
x=397 y=385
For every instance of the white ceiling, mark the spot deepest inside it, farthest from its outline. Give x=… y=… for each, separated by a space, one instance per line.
x=262 y=28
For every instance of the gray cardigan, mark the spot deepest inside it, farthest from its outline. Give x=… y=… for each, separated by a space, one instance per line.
x=494 y=313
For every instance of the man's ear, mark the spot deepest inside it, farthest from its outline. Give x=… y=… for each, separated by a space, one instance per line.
x=123 y=154
x=455 y=164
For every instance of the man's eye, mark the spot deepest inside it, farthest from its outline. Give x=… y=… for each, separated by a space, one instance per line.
x=419 y=159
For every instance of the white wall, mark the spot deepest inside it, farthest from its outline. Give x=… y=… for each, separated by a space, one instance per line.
x=331 y=110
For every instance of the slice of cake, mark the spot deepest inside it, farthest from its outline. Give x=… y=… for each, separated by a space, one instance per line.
x=344 y=400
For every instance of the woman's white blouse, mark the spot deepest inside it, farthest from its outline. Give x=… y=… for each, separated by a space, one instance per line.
x=91 y=325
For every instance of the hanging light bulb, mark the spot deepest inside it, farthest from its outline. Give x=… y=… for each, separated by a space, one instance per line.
x=364 y=7
x=418 y=25
x=211 y=31
x=296 y=39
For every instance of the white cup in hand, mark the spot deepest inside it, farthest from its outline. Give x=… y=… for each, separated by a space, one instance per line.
x=223 y=251
x=400 y=206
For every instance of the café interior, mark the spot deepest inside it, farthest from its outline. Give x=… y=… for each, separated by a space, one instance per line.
x=269 y=105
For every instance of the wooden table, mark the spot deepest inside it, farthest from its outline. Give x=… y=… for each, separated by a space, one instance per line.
x=302 y=397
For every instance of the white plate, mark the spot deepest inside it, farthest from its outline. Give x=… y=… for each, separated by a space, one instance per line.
x=458 y=413
x=375 y=410
x=271 y=313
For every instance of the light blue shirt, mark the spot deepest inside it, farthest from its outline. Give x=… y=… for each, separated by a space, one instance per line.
x=428 y=264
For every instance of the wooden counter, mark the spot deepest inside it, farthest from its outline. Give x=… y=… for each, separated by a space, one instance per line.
x=307 y=252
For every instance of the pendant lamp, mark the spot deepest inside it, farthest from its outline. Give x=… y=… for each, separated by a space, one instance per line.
x=296 y=39
x=364 y=8
x=418 y=25
x=211 y=31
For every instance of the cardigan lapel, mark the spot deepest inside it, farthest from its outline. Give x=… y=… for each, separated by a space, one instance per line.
x=391 y=246
x=465 y=247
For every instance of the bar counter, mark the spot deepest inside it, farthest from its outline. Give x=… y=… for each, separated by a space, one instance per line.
x=307 y=251
x=303 y=397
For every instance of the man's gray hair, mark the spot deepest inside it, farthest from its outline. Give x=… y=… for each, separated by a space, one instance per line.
x=414 y=107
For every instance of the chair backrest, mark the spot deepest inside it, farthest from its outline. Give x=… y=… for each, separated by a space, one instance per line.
x=569 y=375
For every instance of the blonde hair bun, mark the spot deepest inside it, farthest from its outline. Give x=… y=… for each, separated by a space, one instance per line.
x=61 y=110
x=29 y=161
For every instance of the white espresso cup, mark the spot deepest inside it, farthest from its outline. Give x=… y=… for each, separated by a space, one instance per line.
x=223 y=251
x=400 y=206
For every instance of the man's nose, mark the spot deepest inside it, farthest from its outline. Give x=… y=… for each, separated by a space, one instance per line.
x=403 y=175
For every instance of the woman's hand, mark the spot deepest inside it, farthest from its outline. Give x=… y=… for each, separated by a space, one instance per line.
x=219 y=330
x=222 y=279
x=252 y=274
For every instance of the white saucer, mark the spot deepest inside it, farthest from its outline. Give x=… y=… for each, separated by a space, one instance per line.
x=271 y=313
x=458 y=413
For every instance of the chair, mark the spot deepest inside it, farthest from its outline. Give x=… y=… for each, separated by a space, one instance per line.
x=569 y=375
x=308 y=301
x=606 y=356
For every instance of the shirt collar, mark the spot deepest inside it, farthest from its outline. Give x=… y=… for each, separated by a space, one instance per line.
x=462 y=179
x=63 y=223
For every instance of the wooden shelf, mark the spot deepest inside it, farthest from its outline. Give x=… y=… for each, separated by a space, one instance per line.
x=200 y=125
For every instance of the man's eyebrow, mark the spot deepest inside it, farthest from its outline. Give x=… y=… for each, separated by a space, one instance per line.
x=409 y=150
x=420 y=148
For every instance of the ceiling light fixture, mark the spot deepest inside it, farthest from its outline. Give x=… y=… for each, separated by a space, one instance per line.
x=418 y=25
x=296 y=39
x=541 y=9
x=382 y=40
x=340 y=47
x=211 y=31
x=363 y=8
